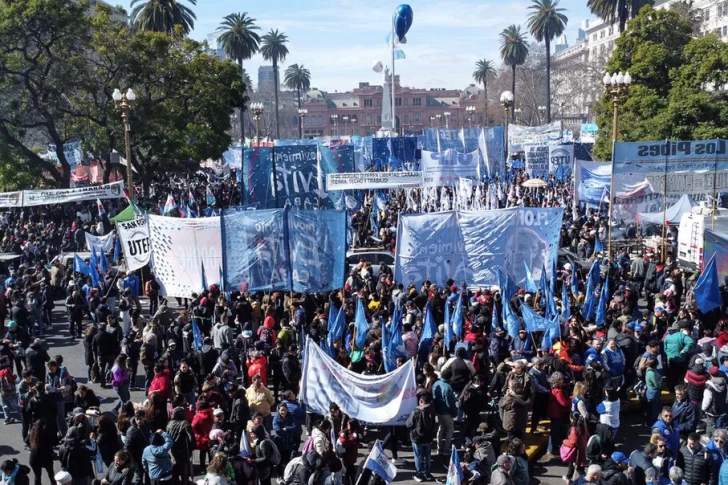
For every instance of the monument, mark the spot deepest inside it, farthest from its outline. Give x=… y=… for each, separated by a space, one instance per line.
x=388 y=129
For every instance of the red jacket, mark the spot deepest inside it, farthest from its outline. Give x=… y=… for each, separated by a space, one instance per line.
x=259 y=366
x=201 y=426
x=8 y=372
x=162 y=383
x=351 y=447
x=578 y=442
x=559 y=403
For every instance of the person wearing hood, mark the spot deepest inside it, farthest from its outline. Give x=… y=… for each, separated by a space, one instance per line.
x=303 y=472
x=614 y=470
x=717 y=449
x=184 y=444
x=13 y=473
x=156 y=459
x=714 y=400
x=600 y=445
x=202 y=425
x=222 y=334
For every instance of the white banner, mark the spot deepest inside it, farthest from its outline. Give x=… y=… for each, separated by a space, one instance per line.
x=181 y=248
x=11 y=199
x=445 y=168
x=59 y=196
x=537 y=161
x=106 y=243
x=561 y=156
x=518 y=135
x=382 y=399
x=373 y=180
x=135 y=242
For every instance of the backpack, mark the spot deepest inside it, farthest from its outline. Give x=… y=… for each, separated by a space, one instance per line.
x=64 y=456
x=275 y=459
x=291 y=468
x=266 y=336
x=7 y=386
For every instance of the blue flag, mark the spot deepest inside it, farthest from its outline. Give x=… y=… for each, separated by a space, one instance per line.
x=361 y=325
x=592 y=280
x=448 y=327
x=117 y=249
x=603 y=302
x=495 y=320
x=543 y=285
x=395 y=345
x=202 y=276
x=598 y=246
x=513 y=324
x=457 y=318
x=428 y=333
x=574 y=282
x=454 y=472
x=94 y=270
x=196 y=334
x=336 y=328
x=102 y=261
x=565 y=307
x=374 y=221
x=707 y=289
x=530 y=284
x=533 y=321
x=80 y=266
x=552 y=333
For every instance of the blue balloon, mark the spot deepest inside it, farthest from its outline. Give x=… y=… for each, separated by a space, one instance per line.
x=402 y=20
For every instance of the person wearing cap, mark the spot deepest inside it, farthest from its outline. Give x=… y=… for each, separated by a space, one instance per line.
x=696 y=461
x=519 y=346
x=502 y=474
x=614 y=469
x=714 y=400
x=63 y=478
x=677 y=346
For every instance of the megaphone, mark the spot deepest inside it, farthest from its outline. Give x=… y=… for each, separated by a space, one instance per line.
x=377 y=66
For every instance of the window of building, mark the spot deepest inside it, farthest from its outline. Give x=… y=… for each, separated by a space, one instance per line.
x=398 y=101
x=706 y=14
x=416 y=101
x=368 y=102
x=454 y=117
x=369 y=118
x=601 y=34
x=379 y=119
x=594 y=37
x=406 y=118
x=725 y=31
x=417 y=117
x=611 y=30
x=611 y=44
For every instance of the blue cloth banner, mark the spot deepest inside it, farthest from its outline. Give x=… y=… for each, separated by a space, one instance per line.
x=471 y=246
x=80 y=266
x=592 y=280
x=532 y=320
x=529 y=285
x=592 y=181
x=457 y=319
x=716 y=244
x=601 y=312
x=257 y=176
x=707 y=288
x=553 y=332
x=361 y=325
x=428 y=333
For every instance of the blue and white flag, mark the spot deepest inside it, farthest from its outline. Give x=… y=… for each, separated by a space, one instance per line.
x=454 y=472
x=603 y=302
x=336 y=327
x=592 y=280
x=393 y=346
x=170 y=205
x=428 y=333
x=512 y=323
x=565 y=307
x=553 y=332
x=457 y=318
x=197 y=335
x=448 y=327
x=245 y=450
x=361 y=325
x=707 y=288
x=379 y=463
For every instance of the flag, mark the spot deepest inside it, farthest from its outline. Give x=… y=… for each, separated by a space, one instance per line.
x=94 y=268
x=203 y=278
x=399 y=54
x=513 y=324
x=169 y=206
x=117 y=249
x=603 y=302
x=448 y=327
x=574 y=282
x=379 y=463
x=245 y=450
x=190 y=199
x=394 y=346
x=428 y=333
x=707 y=290
x=530 y=285
x=542 y=285
x=80 y=266
x=336 y=327
x=100 y=208
x=495 y=319
x=454 y=472
x=552 y=282
x=592 y=280
x=565 y=307
x=361 y=325
x=183 y=211
x=103 y=263
x=209 y=196
x=552 y=332
x=598 y=246
x=197 y=335
x=374 y=222
x=507 y=287
x=533 y=321
x=457 y=318
x=222 y=284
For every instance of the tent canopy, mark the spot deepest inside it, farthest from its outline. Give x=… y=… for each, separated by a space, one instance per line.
x=672 y=215
x=127 y=214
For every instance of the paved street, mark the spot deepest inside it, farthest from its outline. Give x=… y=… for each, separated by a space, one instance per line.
x=72 y=350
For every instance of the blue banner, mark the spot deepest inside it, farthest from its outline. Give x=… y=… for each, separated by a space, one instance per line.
x=716 y=244
x=591 y=182
x=471 y=246
x=256 y=177
x=233 y=156
x=255 y=250
x=317 y=250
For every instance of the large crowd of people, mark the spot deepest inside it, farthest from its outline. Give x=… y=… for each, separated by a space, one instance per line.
x=226 y=409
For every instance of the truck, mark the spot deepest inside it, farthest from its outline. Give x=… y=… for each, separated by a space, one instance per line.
x=691 y=234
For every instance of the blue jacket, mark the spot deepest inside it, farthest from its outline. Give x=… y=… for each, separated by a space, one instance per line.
x=613 y=361
x=133 y=284
x=718 y=458
x=672 y=436
x=723 y=473
x=156 y=460
x=285 y=430
x=298 y=412
x=443 y=398
x=683 y=414
x=519 y=345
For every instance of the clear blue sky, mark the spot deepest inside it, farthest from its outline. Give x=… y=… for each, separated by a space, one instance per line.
x=337 y=40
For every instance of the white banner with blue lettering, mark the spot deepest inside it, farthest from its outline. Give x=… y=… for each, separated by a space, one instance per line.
x=471 y=245
x=444 y=168
x=519 y=135
x=380 y=399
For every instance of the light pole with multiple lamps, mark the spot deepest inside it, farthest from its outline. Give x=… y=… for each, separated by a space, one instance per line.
x=438 y=117
x=345 y=119
x=124 y=103
x=617 y=85
x=517 y=115
x=257 y=110
x=353 y=125
x=470 y=110
x=335 y=119
x=302 y=112
x=432 y=121
x=506 y=100
x=541 y=111
x=446 y=114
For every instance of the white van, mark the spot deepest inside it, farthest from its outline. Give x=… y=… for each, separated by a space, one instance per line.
x=691 y=234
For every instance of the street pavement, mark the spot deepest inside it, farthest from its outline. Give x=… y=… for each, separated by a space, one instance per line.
x=58 y=341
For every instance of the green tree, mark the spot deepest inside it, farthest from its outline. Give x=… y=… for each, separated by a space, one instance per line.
x=675 y=90
x=617 y=11
x=274 y=49
x=545 y=23
x=298 y=78
x=483 y=70
x=162 y=15
x=513 y=51
x=240 y=41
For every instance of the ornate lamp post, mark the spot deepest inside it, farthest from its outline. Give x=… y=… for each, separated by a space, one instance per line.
x=438 y=117
x=335 y=119
x=124 y=104
x=446 y=114
x=257 y=110
x=506 y=100
x=617 y=85
x=302 y=112
x=470 y=110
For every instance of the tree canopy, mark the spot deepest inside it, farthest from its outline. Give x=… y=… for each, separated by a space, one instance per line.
x=677 y=80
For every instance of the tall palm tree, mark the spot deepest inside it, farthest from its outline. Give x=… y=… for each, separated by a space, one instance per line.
x=298 y=78
x=483 y=70
x=274 y=49
x=240 y=41
x=620 y=11
x=513 y=51
x=162 y=15
x=545 y=23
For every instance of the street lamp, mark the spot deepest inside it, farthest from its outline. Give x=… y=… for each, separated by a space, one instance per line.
x=616 y=85
x=517 y=115
x=353 y=125
x=257 y=110
x=446 y=114
x=506 y=100
x=124 y=103
x=432 y=121
x=302 y=112
x=541 y=111
x=438 y=117
x=470 y=110
x=345 y=119
x=335 y=119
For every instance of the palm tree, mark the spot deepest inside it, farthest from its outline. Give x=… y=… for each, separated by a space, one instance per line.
x=240 y=41
x=274 y=49
x=162 y=15
x=546 y=22
x=513 y=51
x=484 y=69
x=612 y=11
x=298 y=78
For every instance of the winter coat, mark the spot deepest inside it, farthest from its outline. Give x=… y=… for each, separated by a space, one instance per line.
x=162 y=383
x=559 y=403
x=260 y=400
x=714 y=397
x=515 y=412
x=184 y=439
x=574 y=440
x=421 y=424
x=259 y=367
x=117 y=476
x=156 y=460
x=612 y=474
x=202 y=425
x=137 y=438
x=671 y=435
x=22 y=477
x=697 y=467
x=718 y=458
x=108 y=446
x=321 y=442
x=443 y=398
x=696 y=378
x=683 y=415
